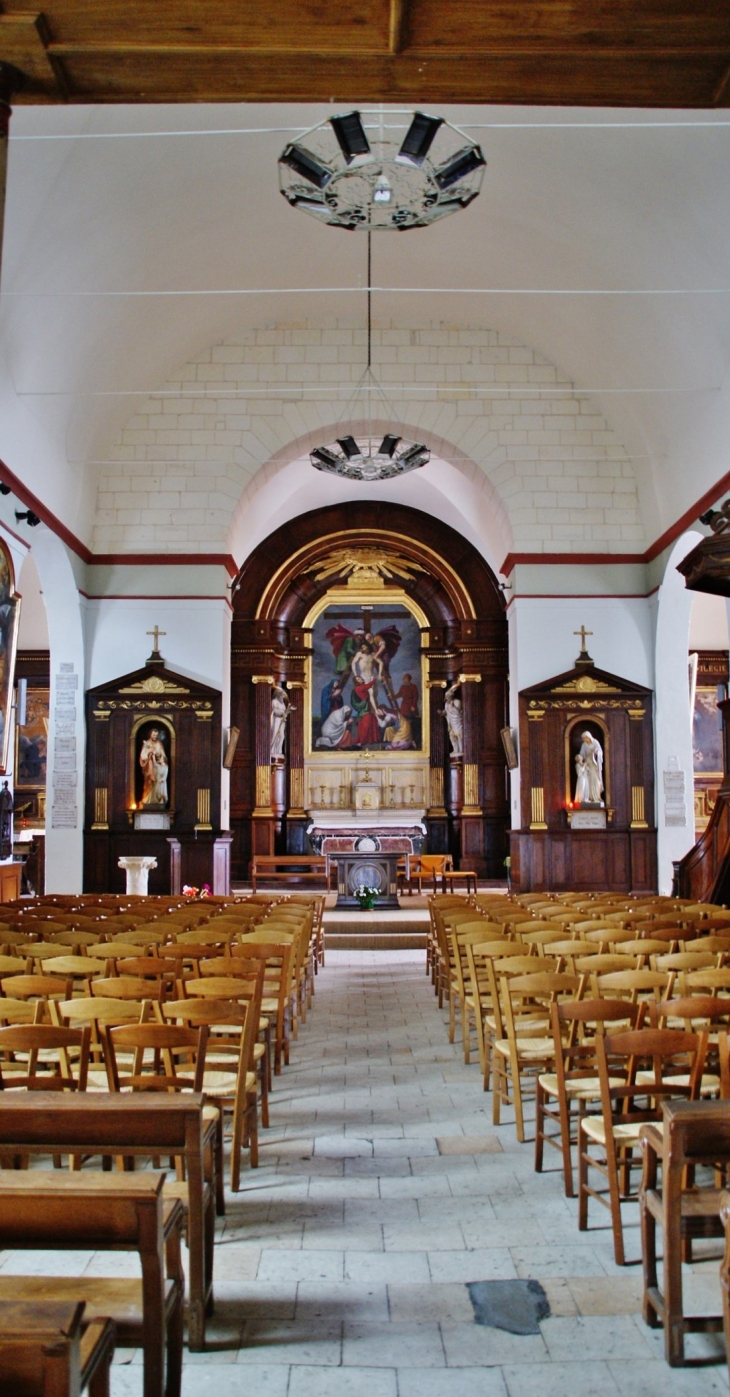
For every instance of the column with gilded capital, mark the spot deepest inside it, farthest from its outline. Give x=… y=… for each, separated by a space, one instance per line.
x=296 y=817
x=263 y=814
x=436 y=814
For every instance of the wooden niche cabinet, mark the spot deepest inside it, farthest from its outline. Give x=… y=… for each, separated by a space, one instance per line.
x=550 y=852
x=180 y=812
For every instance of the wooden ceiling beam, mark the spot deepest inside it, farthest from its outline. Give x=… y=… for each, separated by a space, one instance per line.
x=536 y=51
x=398 y=25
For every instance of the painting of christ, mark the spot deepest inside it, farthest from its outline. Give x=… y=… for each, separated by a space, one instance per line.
x=366 y=679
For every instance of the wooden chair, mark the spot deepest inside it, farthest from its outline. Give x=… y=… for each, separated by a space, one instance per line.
x=691 y=1133
x=527 y=1048
x=279 y=984
x=47 y=1351
x=165 y=1057
x=37 y=987
x=240 y=989
x=665 y=1057
x=232 y=1028
x=431 y=867
x=94 y=1013
x=575 y=1082
x=633 y=985
x=77 y=968
x=276 y=958
x=52 y=1059
x=481 y=958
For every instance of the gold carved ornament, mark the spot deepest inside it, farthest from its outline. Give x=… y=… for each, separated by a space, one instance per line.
x=365 y=566
x=154 y=684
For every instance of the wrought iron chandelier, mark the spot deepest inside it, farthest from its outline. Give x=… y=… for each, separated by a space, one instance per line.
x=373 y=457
x=357 y=175
x=354 y=174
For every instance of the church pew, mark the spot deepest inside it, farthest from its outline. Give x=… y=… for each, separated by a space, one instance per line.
x=51 y=1211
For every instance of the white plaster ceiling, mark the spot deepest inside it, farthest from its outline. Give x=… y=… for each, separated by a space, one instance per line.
x=605 y=201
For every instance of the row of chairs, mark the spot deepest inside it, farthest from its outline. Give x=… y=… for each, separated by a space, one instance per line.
x=599 y=1032
x=249 y=976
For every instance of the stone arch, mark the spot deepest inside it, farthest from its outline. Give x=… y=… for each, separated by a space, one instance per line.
x=458 y=489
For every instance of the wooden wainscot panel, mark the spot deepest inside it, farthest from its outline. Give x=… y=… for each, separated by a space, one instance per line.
x=560 y=862
x=619 y=870
x=591 y=859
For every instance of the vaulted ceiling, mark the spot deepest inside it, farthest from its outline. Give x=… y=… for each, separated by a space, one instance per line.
x=666 y=53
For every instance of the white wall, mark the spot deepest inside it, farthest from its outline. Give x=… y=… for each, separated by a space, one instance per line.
x=708 y=626
x=196 y=643
x=33 y=633
x=672 y=718
x=542 y=644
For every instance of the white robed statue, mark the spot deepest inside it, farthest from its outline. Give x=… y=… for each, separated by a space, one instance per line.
x=589 y=771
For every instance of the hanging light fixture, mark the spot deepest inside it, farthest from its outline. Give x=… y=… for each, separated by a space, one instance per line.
x=354 y=174
x=374 y=456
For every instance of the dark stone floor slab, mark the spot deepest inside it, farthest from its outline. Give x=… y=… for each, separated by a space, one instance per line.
x=517 y=1306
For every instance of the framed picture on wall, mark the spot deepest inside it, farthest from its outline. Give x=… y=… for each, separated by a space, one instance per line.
x=9 y=622
x=707 y=732
x=31 y=741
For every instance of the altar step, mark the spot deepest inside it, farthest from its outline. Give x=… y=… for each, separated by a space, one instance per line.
x=404 y=930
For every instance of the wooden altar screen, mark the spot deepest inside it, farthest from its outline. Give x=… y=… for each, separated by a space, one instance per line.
x=547 y=852
x=188 y=844
x=467 y=809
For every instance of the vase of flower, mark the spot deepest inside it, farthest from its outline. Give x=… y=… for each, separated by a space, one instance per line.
x=367 y=897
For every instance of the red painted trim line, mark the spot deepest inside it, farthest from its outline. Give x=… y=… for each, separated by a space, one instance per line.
x=32 y=502
x=572 y=559
x=669 y=536
x=223 y=560
x=689 y=517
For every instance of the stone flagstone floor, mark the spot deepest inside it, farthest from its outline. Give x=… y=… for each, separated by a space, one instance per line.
x=343 y=1267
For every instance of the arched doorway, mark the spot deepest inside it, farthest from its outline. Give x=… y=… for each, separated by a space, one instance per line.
x=437 y=576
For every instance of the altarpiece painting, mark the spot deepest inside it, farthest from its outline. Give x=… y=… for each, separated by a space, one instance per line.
x=366 y=679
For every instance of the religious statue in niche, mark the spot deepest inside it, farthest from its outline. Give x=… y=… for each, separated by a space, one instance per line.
x=371 y=699
x=454 y=716
x=153 y=766
x=589 y=771
x=280 y=710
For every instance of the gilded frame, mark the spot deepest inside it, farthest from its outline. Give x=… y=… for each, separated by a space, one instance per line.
x=369 y=597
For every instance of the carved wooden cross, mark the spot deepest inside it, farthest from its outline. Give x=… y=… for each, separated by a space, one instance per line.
x=582 y=633
x=157 y=633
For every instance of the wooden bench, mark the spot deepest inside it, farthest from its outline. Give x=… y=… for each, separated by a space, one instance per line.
x=109 y=1123
x=289 y=868
x=46 y=1350
x=49 y=1210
